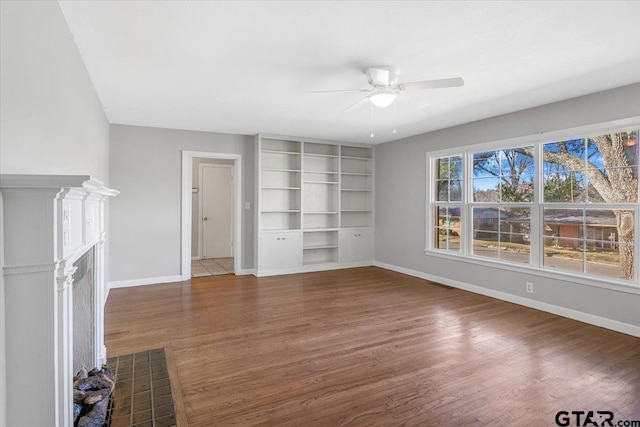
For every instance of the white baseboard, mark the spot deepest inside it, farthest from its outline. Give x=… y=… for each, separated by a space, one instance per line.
x=195 y=258
x=247 y=272
x=312 y=268
x=591 y=319
x=147 y=281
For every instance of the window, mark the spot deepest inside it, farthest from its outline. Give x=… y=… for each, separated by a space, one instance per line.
x=501 y=203
x=567 y=205
x=448 y=203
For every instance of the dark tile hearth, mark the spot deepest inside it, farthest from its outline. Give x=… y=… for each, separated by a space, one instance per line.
x=142 y=395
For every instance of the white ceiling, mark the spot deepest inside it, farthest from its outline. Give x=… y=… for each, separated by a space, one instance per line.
x=248 y=67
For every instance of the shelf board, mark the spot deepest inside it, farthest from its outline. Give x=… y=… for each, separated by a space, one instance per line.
x=331 y=156
x=356 y=158
x=280 y=188
x=355 y=210
x=280 y=229
x=296 y=153
x=320 y=182
x=328 y=261
x=362 y=190
x=320 y=213
x=357 y=173
x=280 y=170
x=320 y=247
x=323 y=172
x=316 y=230
x=281 y=211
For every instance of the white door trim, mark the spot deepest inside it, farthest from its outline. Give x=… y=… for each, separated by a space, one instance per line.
x=187 y=195
x=200 y=197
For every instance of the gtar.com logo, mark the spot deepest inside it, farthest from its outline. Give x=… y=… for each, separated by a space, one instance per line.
x=584 y=418
x=591 y=419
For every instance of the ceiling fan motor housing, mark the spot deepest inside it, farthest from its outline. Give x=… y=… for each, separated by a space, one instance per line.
x=382 y=76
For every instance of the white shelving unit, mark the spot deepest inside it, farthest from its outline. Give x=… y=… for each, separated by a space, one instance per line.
x=356 y=187
x=311 y=195
x=320 y=202
x=280 y=184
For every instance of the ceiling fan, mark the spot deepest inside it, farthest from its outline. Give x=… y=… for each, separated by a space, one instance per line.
x=385 y=87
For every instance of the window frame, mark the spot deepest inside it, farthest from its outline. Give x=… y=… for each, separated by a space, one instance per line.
x=537 y=206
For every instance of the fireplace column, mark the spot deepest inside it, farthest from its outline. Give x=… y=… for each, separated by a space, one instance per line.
x=49 y=222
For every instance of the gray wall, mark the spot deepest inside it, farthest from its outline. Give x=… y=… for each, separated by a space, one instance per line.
x=400 y=178
x=145 y=226
x=52 y=121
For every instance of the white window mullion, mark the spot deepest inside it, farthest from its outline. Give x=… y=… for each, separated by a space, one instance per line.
x=429 y=229
x=469 y=203
x=536 y=232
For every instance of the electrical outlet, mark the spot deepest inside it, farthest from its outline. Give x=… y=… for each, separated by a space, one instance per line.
x=247 y=205
x=529 y=287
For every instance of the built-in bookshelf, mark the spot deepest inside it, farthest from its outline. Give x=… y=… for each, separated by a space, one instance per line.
x=311 y=194
x=321 y=167
x=280 y=184
x=356 y=187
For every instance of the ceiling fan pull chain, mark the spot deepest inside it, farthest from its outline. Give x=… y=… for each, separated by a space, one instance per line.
x=371 y=120
x=395 y=117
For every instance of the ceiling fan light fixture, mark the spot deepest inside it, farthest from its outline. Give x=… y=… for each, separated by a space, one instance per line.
x=383 y=99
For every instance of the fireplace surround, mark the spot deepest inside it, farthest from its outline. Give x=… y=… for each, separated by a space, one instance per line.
x=48 y=223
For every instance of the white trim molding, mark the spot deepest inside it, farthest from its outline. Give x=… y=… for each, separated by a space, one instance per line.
x=186 y=208
x=3 y=365
x=580 y=316
x=313 y=268
x=49 y=222
x=145 y=281
x=26 y=269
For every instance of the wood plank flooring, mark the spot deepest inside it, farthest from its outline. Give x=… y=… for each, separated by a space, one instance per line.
x=368 y=346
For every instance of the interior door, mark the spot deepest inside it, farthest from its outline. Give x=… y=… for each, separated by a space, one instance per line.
x=217 y=211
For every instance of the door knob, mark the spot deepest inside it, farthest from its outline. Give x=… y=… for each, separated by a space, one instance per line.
x=205 y=218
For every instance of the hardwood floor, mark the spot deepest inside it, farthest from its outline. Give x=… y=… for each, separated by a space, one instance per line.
x=369 y=346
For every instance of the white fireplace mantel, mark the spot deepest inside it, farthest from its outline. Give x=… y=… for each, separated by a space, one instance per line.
x=49 y=221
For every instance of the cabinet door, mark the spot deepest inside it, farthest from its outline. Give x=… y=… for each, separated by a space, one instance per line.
x=356 y=244
x=290 y=250
x=269 y=251
x=280 y=250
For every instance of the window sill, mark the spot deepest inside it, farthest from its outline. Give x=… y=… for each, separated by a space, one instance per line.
x=616 y=285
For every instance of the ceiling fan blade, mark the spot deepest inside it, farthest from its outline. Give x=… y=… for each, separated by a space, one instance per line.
x=432 y=84
x=340 y=91
x=357 y=104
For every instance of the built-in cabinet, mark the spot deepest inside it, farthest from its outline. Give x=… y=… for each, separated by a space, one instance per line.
x=314 y=207
x=356 y=244
x=280 y=250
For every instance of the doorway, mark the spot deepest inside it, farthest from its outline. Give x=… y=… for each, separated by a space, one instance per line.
x=216 y=255
x=213 y=212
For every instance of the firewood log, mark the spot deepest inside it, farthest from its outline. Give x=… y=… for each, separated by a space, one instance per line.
x=78 y=396
x=107 y=376
x=97 y=416
x=77 y=409
x=94 y=382
x=95 y=396
x=82 y=373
